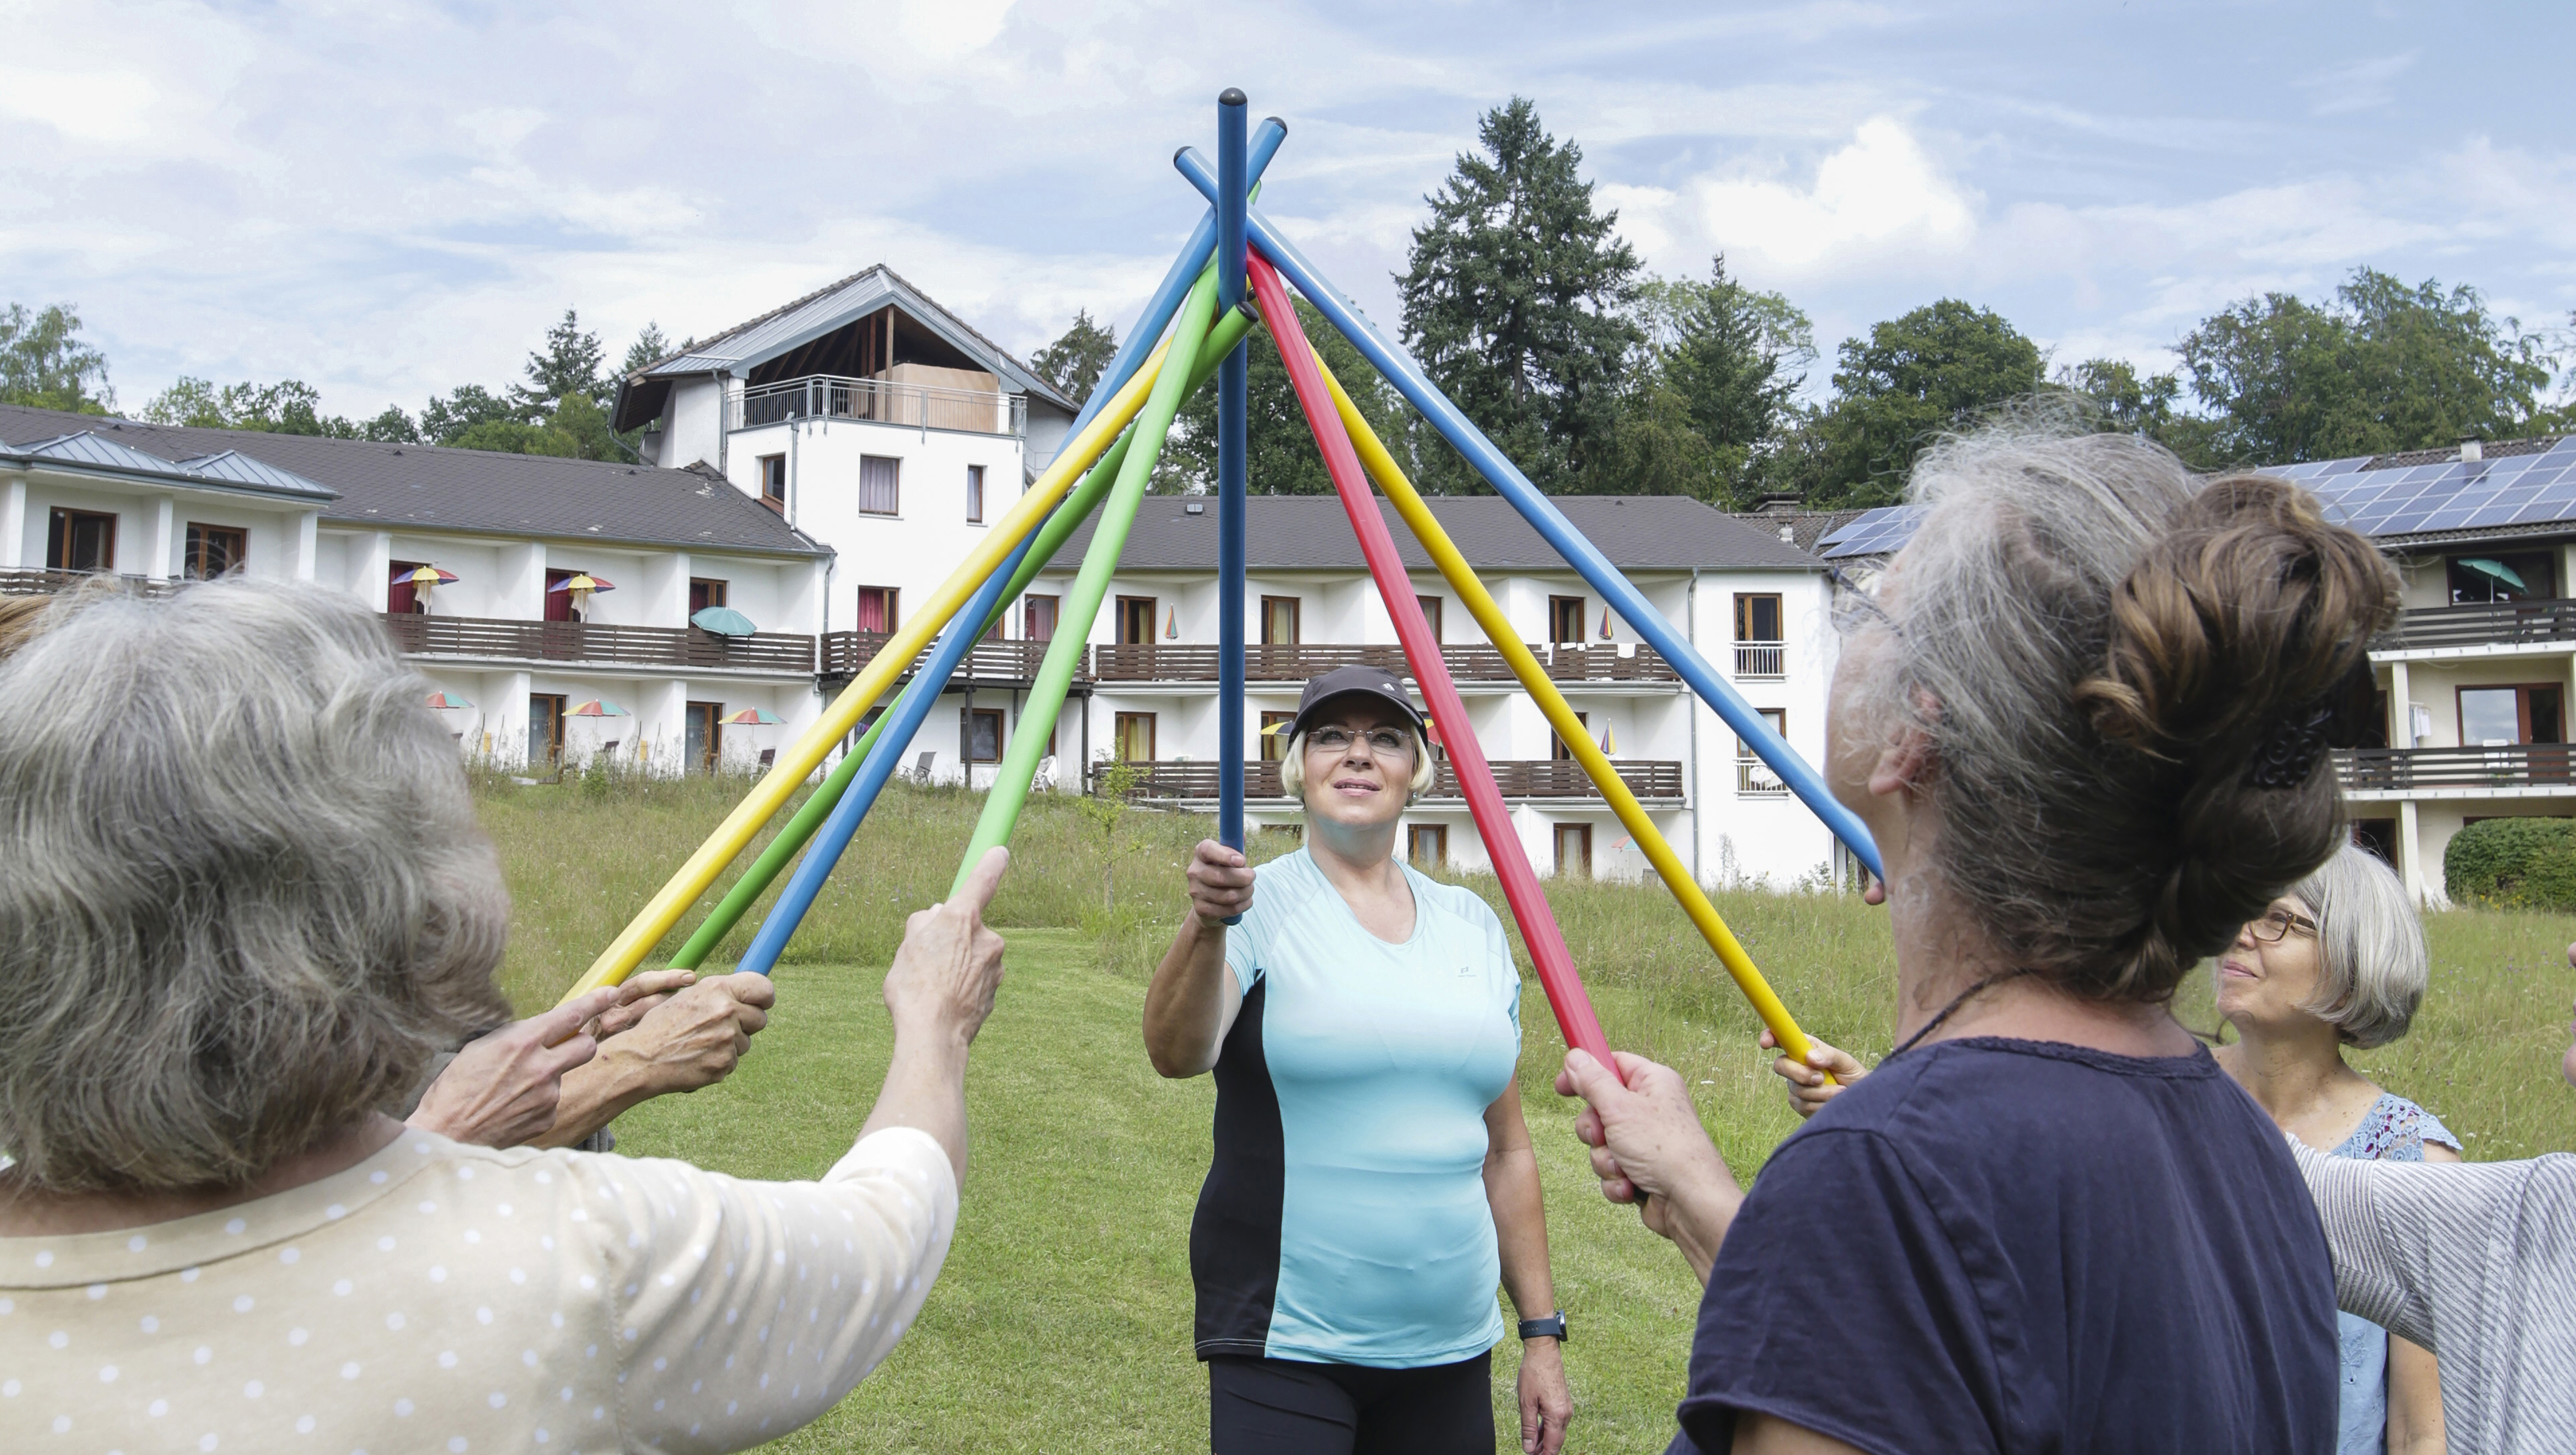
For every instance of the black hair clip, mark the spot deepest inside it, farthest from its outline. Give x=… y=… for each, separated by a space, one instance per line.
x=2338 y=718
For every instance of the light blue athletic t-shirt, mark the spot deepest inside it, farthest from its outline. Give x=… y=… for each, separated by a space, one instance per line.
x=1382 y=1059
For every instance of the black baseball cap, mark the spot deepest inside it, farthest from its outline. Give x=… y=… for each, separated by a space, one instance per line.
x=1374 y=682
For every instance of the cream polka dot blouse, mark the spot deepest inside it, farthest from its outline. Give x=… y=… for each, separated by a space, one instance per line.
x=441 y=1297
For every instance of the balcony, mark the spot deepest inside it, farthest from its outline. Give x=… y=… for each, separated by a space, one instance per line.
x=2458 y=772
x=2502 y=624
x=1516 y=777
x=1761 y=661
x=595 y=644
x=37 y=581
x=1001 y=663
x=878 y=401
x=1190 y=662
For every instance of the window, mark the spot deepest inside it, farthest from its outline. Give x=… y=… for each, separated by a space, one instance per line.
x=1274 y=745
x=212 y=550
x=704 y=746
x=1753 y=777
x=1135 y=737
x=1427 y=845
x=1565 y=620
x=974 y=495
x=773 y=482
x=877 y=607
x=704 y=593
x=1757 y=617
x=1135 y=621
x=1574 y=851
x=80 y=540
x=402 y=597
x=1037 y=617
x=545 y=729
x=2520 y=576
x=880 y=485
x=1430 y=614
x=2379 y=836
x=1279 y=621
x=983 y=727
x=1558 y=749
x=2495 y=716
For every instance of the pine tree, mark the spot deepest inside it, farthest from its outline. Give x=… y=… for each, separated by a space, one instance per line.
x=1074 y=362
x=649 y=348
x=1516 y=298
x=569 y=365
x=1709 y=411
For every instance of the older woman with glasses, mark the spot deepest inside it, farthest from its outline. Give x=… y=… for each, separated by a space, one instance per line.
x=1373 y=1175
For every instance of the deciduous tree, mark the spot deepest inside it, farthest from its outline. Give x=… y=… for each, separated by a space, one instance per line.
x=1076 y=360
x=1934 y=369
x=44 y=364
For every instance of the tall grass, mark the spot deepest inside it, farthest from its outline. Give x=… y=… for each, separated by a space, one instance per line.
x=583 y=854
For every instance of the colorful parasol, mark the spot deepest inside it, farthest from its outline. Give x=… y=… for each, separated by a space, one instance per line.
x=1609 y=738
x=599 y=707
x=582 y=581
x=448 y=701
x=753 y=717
x=424 y=576
x=724 y=621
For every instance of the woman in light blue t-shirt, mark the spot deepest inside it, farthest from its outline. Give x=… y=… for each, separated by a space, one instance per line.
x=1373 y=1178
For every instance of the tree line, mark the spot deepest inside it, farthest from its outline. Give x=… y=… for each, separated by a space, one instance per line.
x=1539 y=322
x=559 y=407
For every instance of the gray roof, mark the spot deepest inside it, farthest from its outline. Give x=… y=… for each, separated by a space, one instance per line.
x=90 y=448
x=480 y=492
x=1288 y=532
x=241 y=469
x=744 y=345
x=1806 y=527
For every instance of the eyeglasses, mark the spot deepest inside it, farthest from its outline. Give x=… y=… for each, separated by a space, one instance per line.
x=1384 y=742
x=2273 y=927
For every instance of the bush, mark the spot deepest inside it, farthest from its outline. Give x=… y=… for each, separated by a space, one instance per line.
x=2513 y=863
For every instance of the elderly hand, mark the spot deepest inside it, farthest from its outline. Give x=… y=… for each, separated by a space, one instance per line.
x=684 y=1040
x=1546 y=1403
x=637 y=997
x=1808 y=1088
x=1646 y=1139
x=943 y=979
x=503 y=1089
x=1220 y=883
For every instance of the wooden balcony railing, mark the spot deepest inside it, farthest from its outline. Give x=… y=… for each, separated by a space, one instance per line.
x=36 y=581
x=1516 y=777
x=578 y=641
x=2402 y=770
x=845 y=653
x=2483 y=625
x=1196 y=662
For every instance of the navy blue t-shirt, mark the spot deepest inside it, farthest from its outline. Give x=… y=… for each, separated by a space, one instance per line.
x=1996 y=1245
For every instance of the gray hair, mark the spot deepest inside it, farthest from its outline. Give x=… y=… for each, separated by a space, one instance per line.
x=2097 y=648
x=1292 y=766
x=2371 y=960
x=243 y=898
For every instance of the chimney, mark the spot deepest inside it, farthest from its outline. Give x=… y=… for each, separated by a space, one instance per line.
x=2472 y=450
x=1780 y=503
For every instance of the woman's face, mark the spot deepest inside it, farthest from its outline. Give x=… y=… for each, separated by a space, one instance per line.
x=2263 y=982
x=1356 y=772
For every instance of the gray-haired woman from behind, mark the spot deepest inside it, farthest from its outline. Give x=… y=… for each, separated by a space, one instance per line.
x=242 y=898
x=2085 y=720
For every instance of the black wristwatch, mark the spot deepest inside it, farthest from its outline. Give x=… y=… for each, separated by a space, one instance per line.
x=1551 y=1327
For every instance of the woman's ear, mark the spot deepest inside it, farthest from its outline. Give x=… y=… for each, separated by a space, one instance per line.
x=1904 y=765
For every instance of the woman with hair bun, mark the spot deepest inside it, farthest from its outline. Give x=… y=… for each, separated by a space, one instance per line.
x=2085 y=719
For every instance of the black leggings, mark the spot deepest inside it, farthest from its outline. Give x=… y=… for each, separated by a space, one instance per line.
x=1282 y=1407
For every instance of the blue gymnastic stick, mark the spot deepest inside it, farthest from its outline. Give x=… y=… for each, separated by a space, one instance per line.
x=1232 y=405
x=1506 y=478
x=909 y=712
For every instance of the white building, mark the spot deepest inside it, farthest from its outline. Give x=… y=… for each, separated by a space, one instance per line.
x=81 y=494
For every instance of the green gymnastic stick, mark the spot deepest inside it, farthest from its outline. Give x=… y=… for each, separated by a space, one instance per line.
x=1055 y=675
x=1059 y=527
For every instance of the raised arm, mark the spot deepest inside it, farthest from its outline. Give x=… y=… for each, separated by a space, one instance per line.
x=1194 y=997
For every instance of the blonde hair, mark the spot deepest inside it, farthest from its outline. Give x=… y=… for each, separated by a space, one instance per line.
x=1292 y=766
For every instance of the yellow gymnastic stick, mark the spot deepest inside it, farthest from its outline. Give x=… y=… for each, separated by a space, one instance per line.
x=798 y=762
x=1569 y=730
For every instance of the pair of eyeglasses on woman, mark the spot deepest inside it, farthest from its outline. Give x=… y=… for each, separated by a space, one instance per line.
x=1384 y=742
x=2273 y=927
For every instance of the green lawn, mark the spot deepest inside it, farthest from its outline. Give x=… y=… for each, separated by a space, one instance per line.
x=1062 y=1322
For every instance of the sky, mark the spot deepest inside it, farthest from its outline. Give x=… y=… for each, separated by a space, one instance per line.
x=390 y=199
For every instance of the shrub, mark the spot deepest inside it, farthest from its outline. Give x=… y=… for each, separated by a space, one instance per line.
x=2513 y=863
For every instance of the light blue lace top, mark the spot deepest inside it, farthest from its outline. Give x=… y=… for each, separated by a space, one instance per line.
x=2394 y=1130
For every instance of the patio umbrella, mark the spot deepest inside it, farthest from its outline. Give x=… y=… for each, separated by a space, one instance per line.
x=599 y=707
x=2497 y=569
x=424 y=576
x=724 y=621
x=1609 y=738
x=582 y=581
x=448 y=700
x=753 y=717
